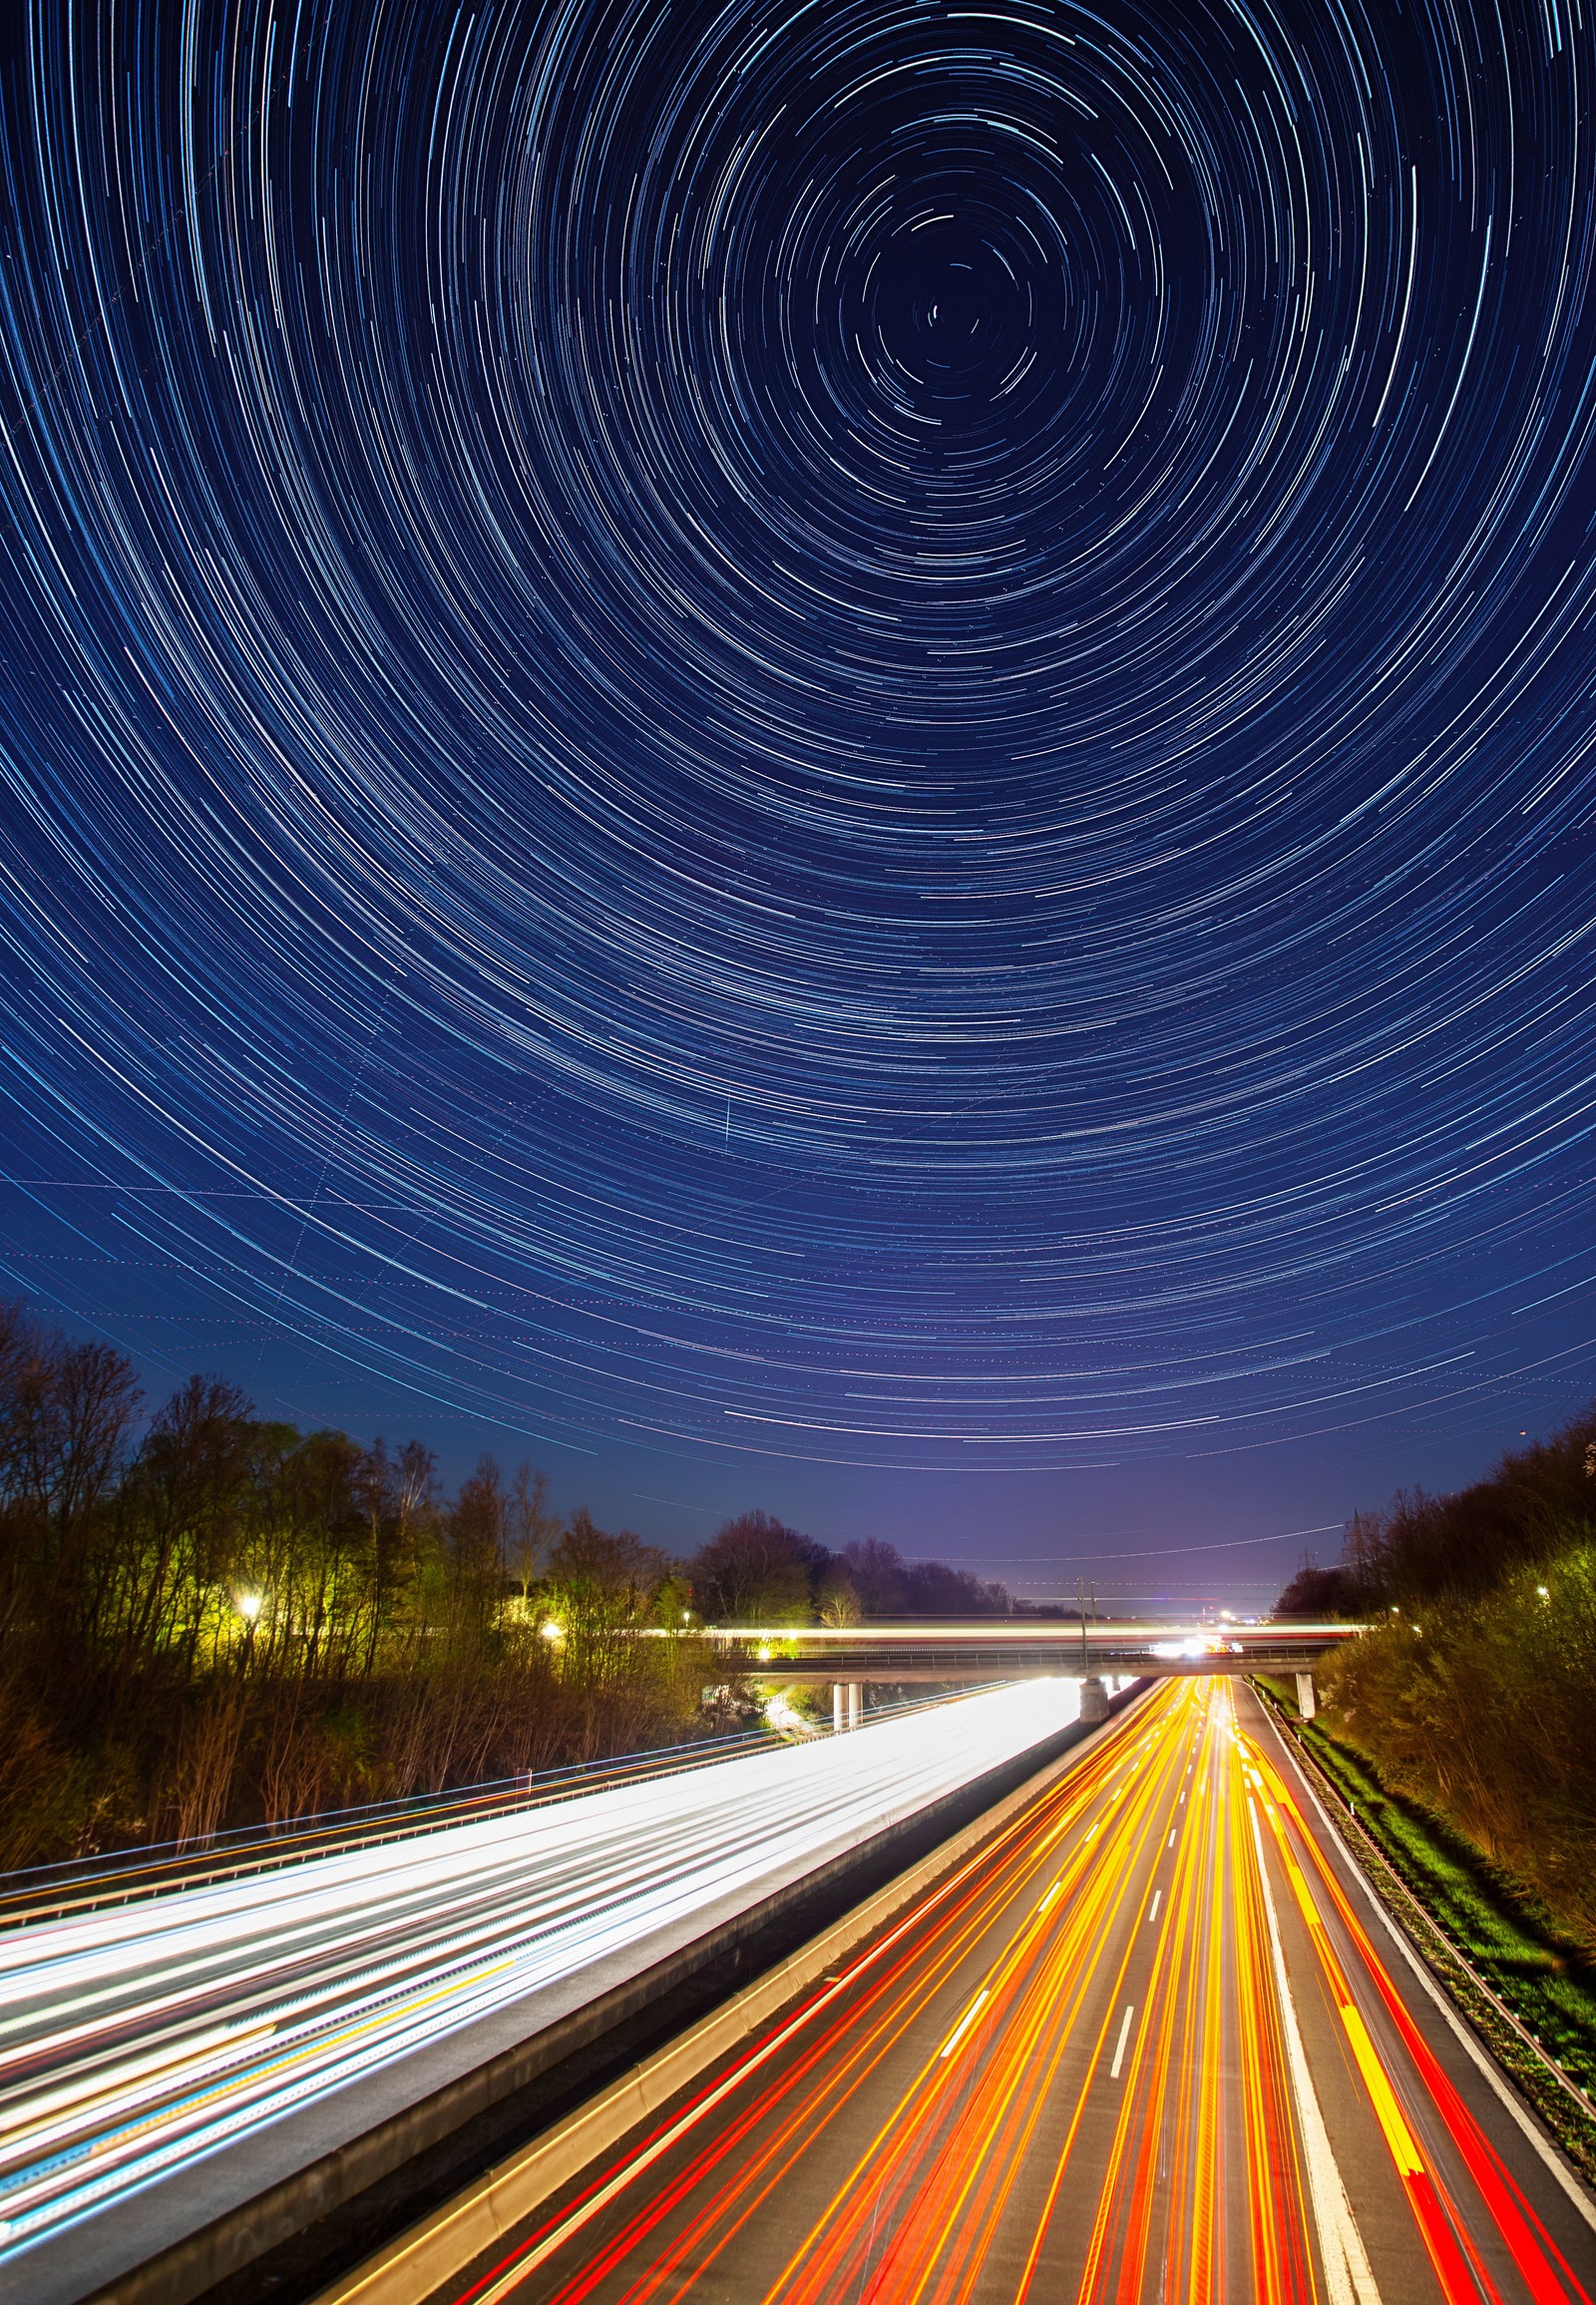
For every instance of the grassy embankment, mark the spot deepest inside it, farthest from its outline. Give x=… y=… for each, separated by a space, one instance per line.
x=1524 y=1985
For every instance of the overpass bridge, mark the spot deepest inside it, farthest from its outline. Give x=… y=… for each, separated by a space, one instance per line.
x=1020 y=1649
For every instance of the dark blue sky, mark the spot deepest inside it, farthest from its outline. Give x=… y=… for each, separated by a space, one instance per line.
x=830 y=755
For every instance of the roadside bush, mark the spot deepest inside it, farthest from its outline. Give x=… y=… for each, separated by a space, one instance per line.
x=1482 y=1706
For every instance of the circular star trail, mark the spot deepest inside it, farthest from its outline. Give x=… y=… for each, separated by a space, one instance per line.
x=857 y=731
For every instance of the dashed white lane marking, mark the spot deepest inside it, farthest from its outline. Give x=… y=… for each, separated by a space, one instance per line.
x=965 y=2022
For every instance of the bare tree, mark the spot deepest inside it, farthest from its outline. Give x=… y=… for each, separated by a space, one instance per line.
x=756 y=1571
x=530 y=1528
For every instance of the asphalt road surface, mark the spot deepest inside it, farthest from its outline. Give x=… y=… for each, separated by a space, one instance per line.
x=1152 y=2043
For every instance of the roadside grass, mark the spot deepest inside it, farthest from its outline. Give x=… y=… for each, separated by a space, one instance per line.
x=1503 y=1932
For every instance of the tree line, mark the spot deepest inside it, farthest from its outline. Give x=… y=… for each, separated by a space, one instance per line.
x=1474 y=1690
x=209 y=1618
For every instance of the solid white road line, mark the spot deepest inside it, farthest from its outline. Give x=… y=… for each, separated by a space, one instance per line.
x=1346 y=2269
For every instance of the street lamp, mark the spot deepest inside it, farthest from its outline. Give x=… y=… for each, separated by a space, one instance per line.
x=248 y=1607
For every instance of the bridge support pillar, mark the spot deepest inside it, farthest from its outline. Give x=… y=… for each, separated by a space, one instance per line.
x=839 y=1709
x=1307 y=1701
x=856 y=1702
x=1093 y=1700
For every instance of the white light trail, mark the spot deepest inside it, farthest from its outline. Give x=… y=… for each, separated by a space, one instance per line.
x=136 y=2039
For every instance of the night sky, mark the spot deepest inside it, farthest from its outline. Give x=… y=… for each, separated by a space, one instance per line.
x=832 y=756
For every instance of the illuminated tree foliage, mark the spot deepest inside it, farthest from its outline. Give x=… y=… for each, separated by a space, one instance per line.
x=1475 y=1691
x=218 y=1620
x=207 y=1619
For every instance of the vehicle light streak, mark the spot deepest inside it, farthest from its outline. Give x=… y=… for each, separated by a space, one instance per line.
x=53 y=1891
x=1347 y=2276
x=137 y=2038
x=1075 y=2071
x=1456 y=2261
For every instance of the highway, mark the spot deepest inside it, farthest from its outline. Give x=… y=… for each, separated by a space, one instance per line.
x=166 y=2056
x=1152 y=2041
